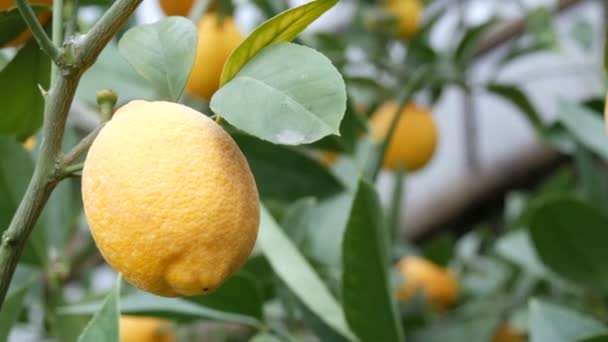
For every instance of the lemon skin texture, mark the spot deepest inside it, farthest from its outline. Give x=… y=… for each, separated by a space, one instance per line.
x=438 y=286
x=27 y=34
x=170 y=199
x=409 y=16
x=415 y=138
x=145 y=329
x=176 y=7
x=216 y=41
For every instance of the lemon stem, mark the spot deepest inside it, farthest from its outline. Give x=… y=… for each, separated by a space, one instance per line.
x=48 y=169
x=414 y=84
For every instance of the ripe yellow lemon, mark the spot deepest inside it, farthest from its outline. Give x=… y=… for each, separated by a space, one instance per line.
x=409 y=16
x=506 y=333
x=216 y=41
x=414 y=140
x=176 y=7
x=145 y=329
x=27 y=34
x=170 y=199
x=438 y=286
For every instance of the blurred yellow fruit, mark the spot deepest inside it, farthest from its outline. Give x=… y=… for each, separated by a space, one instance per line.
x=506 y=333
x=170 y=199
x=30 y=143
x=438 y=286
x=145 y=329
x=176 y=7
x=216 y=41
x=27 y=34
x=415 y=138
x=409 y=16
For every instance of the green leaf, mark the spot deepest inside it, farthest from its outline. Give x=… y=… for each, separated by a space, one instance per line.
x=22 y=102
x=143 y=303
x=282 y=28
x=583 y=33
x=469 y=42
x=477 y=329
x=239 y=294
x=287 y=94
x=163 y=53
x=293 y=269
x=520 y=100
x=112 y=71
x=12 y=24
x=586 y=126
x=12 y=307
x=285 y=173
x=369 y=304
x=265 y=337
x=104 y=324
x=569 y=236
x=16 y=168
x=549 y=322
x=517 y=248
x=599 y=338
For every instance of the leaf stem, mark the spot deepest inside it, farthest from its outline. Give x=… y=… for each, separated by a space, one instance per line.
x=48 y=167
x=41 y=37
x=415 y=83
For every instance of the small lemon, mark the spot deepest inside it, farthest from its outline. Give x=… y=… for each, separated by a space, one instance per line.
x=170 y=199
x=145 y=329
x=216 y=41
x=506 y=333
x=176 y=7
x=409 y=16
x=438 y=286
x=27 y=34
x=414 y=140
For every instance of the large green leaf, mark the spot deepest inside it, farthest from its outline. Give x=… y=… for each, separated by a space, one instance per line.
x=368 y=301
x=549 y=322
x=285 y=173
x=293 y=269
x=586 y=126
x=287 y=94
x=239 y=294
x=519 y=100
x=163 y=53
x=569 y=236
x=16 y=168
x=12 y=307
x=20 y=96
x=104 y=324
x=282 y=28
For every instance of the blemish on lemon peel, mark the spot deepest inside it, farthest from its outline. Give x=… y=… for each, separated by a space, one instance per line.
x=170 y=199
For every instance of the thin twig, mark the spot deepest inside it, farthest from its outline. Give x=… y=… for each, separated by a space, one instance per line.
x=57 y=35
x=81 y=147
x=41 y=37
x=198 y=10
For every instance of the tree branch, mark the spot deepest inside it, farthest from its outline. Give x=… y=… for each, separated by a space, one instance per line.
x=41 y=37
x=48 y=167
x=81 y=147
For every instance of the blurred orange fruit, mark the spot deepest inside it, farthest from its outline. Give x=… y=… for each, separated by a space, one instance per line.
x=145 y=329
x=506 y=333
x=438 y=286
x=216 y=41
x=414 y=140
